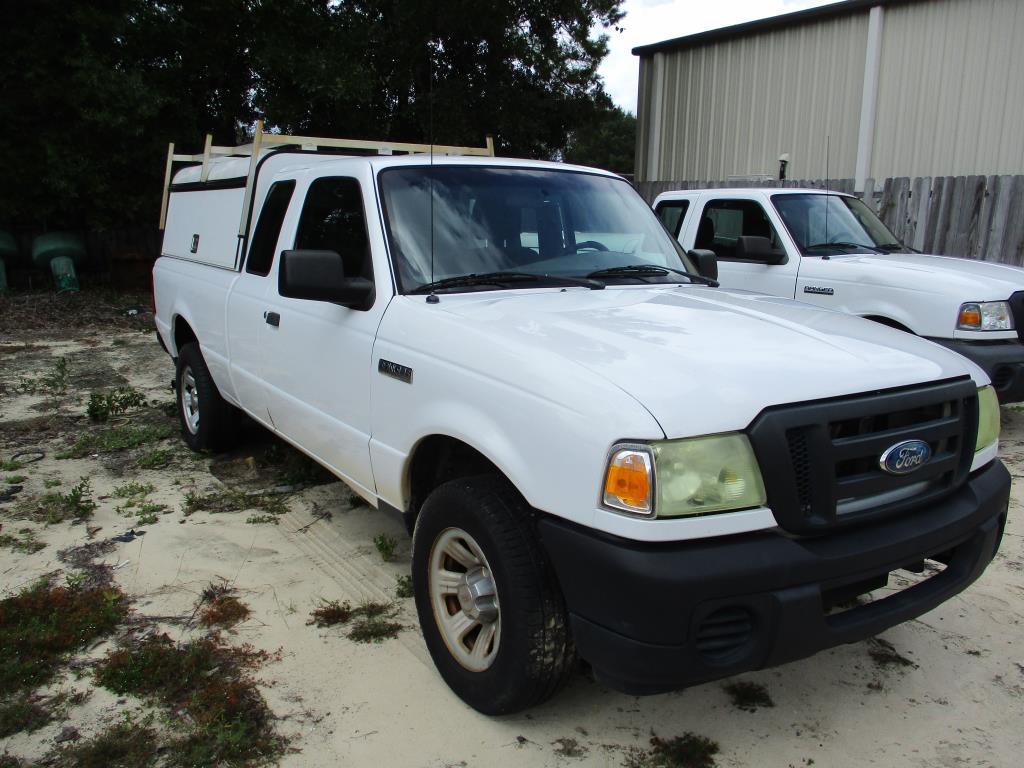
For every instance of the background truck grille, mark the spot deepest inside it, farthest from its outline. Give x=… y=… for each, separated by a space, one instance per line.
x=820 y=460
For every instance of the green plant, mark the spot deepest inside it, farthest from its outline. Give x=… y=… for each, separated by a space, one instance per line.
x=687 y=751
x=103 y=405
x=262 y=519
x=24 y=714
x=15 y=479
x=53 y=382
x=55 y=507
x=371 y=622
x=156 y=458
x=113 y=439
x=10 y=465
x=124 y=744
x=219 y=606
x=134 y=491
x=385 y=545
x=403 y=588
x=748 y=696
x=51 y=482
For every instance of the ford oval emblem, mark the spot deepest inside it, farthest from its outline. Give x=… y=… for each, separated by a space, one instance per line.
x=906 y=457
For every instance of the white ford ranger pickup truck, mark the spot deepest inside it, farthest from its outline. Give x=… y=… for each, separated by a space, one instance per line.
x=830 y=249
x=600 y=454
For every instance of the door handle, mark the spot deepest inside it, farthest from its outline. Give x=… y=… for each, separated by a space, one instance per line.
x=272 y=318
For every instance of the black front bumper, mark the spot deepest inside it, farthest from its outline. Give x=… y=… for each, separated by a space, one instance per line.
x=656 y=617
x=1003 y=361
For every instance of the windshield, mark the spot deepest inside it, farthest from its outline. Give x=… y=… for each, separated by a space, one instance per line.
x=828 y=223
x=483 y=220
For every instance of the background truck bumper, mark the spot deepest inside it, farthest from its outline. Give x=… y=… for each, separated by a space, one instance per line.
x=1003 y=361
x=657 y=617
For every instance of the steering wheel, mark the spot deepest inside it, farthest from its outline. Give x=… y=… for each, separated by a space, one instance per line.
x=591 y=244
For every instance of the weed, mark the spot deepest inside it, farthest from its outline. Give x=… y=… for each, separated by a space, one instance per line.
x=233 y=501
x=55 y=507
x=10 y=465
x=403 y=587
x=24 y=714
x=124 y=745
x=371 y=622
x=53 y=382
x=229 y=722
x=385 y=545
x=132 y=491
x=156 y=458
x=103 y=405
x=43 y=623
x=748 y=696
x=146 y=518
x=26 y=543
x=15 y=479
x=220 y=607
x=51 y=482
x=884 y=654
x=569 y=747
x=114 y=439
x=262 y=519
x=686 y=751
x=10 y=761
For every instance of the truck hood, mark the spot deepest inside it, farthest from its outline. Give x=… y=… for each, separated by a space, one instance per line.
x=704 y=360
x=961 y=279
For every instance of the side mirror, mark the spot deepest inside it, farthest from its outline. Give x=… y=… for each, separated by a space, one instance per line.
x=705 y=261
x=320 y=276
x=755 y=248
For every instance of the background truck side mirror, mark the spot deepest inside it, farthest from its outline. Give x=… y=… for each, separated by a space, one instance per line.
x=756 y=248
x=706 y=262
x=320 y=276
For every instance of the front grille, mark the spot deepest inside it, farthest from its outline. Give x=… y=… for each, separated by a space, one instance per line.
x=820 y=460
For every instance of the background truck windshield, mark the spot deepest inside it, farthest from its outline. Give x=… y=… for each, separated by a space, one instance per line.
x=559 y=223
x=847 y=223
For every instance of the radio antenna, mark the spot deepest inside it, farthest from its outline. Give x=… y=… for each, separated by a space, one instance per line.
x=430 y=138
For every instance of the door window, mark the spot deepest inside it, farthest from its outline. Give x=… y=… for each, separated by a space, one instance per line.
x=333 y=220
x=268 y=228
x=724 y=221
x=672 y=213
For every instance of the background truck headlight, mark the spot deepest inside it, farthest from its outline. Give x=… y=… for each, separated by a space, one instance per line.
x=988 y=418
x=676 y=478
x=985 y=316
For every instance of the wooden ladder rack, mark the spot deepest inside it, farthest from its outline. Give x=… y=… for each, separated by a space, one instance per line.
x=265 y=141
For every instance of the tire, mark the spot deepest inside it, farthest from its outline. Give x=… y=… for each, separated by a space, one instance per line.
x=528 y=654
x=208 y=421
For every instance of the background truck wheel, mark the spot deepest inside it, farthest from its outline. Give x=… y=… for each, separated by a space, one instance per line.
x=207 y=419
x=491 y=612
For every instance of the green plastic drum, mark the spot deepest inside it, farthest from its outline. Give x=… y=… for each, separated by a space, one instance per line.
x=64 y=277
x=52 y=245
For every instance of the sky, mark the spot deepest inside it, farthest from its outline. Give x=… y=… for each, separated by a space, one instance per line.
x=651 y=21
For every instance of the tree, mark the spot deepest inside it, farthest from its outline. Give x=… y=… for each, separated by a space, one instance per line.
x=608 y=142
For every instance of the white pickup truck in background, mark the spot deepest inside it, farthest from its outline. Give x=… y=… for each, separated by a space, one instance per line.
x=600 y=453
x=831 y=250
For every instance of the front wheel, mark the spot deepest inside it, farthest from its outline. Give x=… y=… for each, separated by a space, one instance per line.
x=207 y=419
x=491 y=612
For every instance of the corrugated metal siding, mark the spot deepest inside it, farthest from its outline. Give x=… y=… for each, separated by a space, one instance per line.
x=733 y=107
x=951 y=89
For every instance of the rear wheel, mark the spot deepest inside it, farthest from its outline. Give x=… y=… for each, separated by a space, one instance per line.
x=491 y=612
x=207 y=419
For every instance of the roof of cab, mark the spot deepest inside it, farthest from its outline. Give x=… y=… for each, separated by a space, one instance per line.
x=751 y=190
x=226 y=168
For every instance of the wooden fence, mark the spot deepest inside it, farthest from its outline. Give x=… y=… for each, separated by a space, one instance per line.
x=979 y=217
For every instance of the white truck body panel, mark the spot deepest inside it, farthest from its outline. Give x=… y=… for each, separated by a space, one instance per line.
x=540 y=381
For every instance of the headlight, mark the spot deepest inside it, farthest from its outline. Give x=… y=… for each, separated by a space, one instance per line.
x=985 y=316
x=694 y=476
x=988 y=418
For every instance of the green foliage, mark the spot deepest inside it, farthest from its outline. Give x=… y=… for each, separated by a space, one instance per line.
x=385 y=545
x=10 y=465
x=608 y=141
x=135 y=74
x=54 y=382
x=124 y=745
x=113 y=439
x=230 y=500
x=15 y=479
x=43 y=623
x=403 y=587
x=55 y=507
x=156 y=458
x=26 y=542
x=687 y=751
x=103 y=405
x=22 y=714
x=371 y=622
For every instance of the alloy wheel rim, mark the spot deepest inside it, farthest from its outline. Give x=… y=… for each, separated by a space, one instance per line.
x=190 y=400
x=464 y=598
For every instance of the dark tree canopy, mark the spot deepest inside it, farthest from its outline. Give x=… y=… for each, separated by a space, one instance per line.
x=94 y=91
x=607 y=141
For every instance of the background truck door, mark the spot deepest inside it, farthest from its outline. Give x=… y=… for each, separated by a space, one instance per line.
x=317 y=355
x=718 y=222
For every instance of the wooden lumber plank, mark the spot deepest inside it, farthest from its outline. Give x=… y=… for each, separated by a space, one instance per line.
x=167 y=185
x=254 y=160
x=204 y=174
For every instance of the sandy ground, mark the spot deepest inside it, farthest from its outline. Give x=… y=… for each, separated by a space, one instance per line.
x=959 y=702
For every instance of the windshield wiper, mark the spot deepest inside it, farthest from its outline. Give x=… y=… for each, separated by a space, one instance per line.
x=642 y=270
x=872 y=248
x=503 y=278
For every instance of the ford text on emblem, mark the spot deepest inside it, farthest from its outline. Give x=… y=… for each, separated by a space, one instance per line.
x=903 y=458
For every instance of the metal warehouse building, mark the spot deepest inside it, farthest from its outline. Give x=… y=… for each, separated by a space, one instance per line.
x=894 y=88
